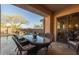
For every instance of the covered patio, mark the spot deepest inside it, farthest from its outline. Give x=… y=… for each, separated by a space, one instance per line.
x=52 y=14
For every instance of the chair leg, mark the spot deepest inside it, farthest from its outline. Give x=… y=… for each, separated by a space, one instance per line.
x=17 y=52
x=50 y=46
x=77 y=51
x=68 y=45
x=46 y=51
x=21 y=52
x=15 y=48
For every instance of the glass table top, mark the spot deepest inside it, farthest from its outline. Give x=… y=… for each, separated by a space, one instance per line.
x=39 y=39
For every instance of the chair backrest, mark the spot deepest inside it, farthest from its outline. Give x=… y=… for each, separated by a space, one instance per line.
x=16 y=37
x=19 y=38
x=49 y=36
x=17 y=43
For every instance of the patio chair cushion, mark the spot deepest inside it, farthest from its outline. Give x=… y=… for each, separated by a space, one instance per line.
x=73 y=43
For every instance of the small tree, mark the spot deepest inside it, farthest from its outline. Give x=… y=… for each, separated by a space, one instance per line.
x=16 y=21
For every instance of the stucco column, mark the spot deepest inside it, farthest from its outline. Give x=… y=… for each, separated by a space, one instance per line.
x=49 y=25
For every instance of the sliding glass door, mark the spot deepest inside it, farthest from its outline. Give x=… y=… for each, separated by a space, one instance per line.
x=66 y=24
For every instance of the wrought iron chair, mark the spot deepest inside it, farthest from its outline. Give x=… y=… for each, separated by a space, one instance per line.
x=22 y=48
x=22 y=41
x=74 y=44
x=49 y=36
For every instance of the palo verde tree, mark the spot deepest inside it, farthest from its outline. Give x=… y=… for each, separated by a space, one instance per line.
x=15 y=20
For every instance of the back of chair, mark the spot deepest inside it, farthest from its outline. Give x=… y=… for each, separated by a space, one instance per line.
x=49 y=36
x=19 y=38
x=16 y=37
x=19 y=46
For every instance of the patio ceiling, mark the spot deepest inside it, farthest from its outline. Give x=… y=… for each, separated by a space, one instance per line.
x=34 y=8
x=46 y=8
x=55 y=7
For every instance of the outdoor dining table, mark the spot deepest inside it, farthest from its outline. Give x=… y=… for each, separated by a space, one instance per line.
x=39 y=42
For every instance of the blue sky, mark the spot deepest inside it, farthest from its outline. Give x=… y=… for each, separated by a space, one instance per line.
x=13 y=10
